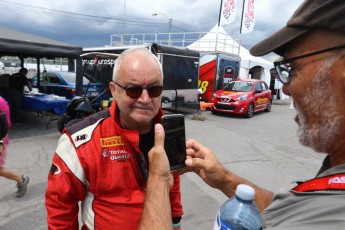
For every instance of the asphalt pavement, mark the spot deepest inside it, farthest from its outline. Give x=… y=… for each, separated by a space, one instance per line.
x=263 y=149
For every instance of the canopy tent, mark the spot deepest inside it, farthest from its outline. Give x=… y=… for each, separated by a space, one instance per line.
x=217 y=40
x=23 y=45
x=15 y=43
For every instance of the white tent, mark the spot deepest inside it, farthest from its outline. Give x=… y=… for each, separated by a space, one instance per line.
x=217 y=40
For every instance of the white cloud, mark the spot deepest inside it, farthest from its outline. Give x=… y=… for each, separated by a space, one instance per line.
x=187 y=15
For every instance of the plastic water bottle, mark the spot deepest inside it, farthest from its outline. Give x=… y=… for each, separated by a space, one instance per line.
x=239 y=212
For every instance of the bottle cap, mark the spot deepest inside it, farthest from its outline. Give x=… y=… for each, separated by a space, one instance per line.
x=245 y=192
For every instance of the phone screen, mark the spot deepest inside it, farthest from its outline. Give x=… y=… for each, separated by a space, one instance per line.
x=175 y=140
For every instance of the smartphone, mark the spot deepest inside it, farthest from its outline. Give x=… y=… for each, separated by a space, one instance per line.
x=175 y=140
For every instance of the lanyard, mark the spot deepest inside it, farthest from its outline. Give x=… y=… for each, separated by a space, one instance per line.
x=331 y=182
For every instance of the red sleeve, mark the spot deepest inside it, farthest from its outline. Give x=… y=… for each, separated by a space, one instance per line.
x=175 y=197
x=63 y=193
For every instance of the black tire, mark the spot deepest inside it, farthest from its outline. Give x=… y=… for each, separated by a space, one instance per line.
x=250 y=111
x=269 y=106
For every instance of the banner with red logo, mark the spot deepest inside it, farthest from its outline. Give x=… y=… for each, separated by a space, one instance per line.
x=227 y=12
x=248 y=17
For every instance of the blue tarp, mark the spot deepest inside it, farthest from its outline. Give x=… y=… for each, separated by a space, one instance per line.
x=44 y=102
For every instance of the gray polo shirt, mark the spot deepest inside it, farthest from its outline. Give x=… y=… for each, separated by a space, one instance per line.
x=308 y=210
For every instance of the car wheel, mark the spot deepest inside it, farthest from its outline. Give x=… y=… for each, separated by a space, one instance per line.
x=250 y=111
x=269 y=106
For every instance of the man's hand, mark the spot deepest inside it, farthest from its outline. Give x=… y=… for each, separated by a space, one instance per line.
x=203 y=162
x=158 y=160
x=157 y=209
x=29 y=87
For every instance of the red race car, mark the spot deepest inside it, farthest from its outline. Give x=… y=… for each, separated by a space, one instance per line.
x=242 y=96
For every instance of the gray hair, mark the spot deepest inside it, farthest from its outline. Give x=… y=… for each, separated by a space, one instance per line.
x=141 y=50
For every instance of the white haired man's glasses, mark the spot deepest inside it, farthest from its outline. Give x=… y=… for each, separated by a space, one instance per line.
x=136 y=91
x=284 y=68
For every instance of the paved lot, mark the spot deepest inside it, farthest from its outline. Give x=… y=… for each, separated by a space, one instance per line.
x=264 y=149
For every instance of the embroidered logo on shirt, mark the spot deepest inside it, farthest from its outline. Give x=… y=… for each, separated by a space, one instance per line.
x=112 y=141
x=118 y=155
x=105 y=153
x=80 y=137
x=337 y=180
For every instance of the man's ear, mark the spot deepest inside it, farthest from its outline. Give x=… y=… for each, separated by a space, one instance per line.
x=112 y=86
x=112 y=89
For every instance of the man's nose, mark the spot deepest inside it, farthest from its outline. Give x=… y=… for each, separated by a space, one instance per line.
x=144 y=97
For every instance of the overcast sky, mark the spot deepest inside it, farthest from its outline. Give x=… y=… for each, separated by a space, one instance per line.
x=89 y=23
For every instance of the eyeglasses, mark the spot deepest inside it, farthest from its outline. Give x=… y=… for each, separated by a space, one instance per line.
x=284 y=68
x=136 y=91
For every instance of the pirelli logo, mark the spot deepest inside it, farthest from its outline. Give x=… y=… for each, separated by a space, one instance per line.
x=112 y=141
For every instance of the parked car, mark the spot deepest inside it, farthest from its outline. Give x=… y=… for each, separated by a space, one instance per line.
x=63 y=83
x=242 y=96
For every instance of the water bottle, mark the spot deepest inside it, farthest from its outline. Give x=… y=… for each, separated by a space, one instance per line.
x=239 y=212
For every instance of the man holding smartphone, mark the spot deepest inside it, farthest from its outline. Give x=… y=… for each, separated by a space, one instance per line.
x=102 y=161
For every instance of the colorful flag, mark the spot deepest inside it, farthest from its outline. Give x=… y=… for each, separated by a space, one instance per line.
x=248 y=16
x=227 y=12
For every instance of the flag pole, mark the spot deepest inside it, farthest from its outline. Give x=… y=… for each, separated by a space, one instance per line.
x=242 y=16
x=220 y=14
x=220 y=11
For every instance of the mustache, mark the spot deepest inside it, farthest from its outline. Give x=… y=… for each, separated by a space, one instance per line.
x=144 y=107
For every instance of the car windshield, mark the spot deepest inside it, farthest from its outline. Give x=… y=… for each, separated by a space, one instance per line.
x=71 y=78
x=239 y=86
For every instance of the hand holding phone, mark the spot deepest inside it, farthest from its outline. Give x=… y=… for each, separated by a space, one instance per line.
x=175 y=140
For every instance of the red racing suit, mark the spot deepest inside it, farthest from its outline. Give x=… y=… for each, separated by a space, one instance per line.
x=99 y=163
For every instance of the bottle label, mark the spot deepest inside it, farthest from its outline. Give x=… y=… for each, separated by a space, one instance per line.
x=236 y=224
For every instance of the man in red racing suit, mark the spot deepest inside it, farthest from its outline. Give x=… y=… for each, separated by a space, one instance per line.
x=102 y=160
x=102 y=166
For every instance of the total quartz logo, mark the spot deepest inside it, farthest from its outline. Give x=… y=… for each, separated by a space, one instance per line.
x=116 y=155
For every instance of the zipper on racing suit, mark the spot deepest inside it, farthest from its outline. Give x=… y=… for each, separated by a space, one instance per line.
x=141 y=166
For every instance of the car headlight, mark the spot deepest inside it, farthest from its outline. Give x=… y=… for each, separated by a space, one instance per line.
x=242 y=98
x=214 y=95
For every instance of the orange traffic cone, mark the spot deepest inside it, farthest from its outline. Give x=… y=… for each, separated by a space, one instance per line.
x=204 y=105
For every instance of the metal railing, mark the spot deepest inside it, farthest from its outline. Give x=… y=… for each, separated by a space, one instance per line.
x=200 y=41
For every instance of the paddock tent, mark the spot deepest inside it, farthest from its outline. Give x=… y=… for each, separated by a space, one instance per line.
x=23 y=45
x=15 y=43
x=218 y=40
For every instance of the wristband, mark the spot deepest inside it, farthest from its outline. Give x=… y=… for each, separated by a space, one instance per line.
x=176 y=225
